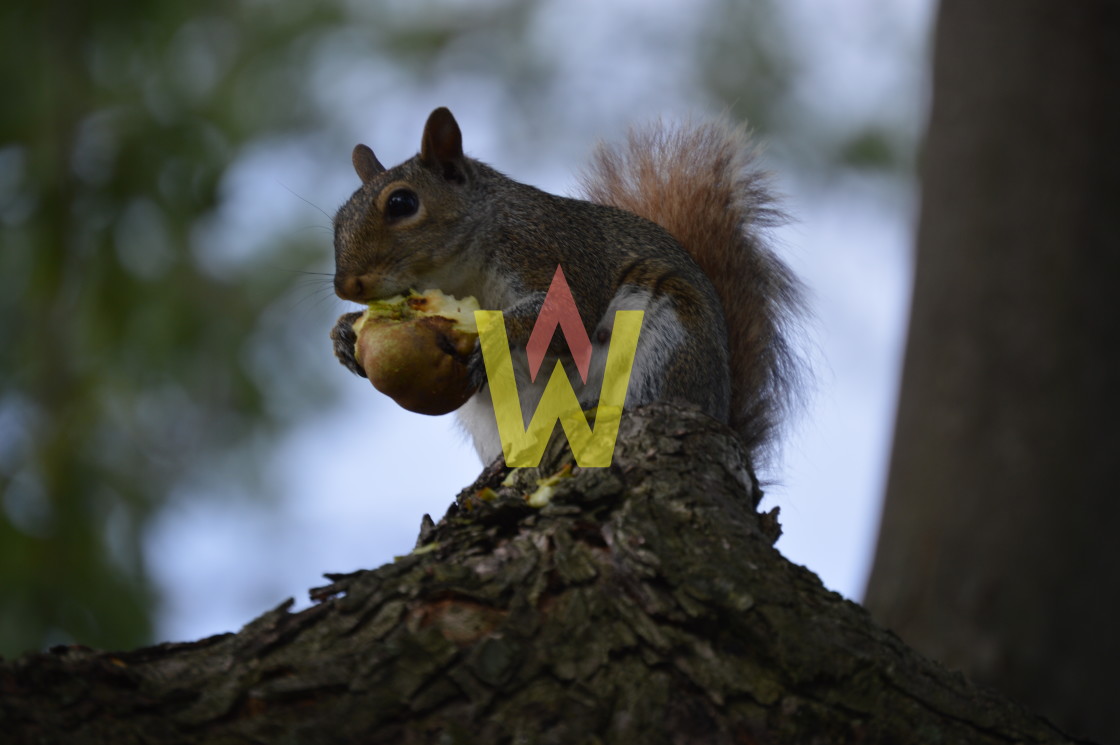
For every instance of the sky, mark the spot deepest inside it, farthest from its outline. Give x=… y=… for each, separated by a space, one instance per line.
x=351 y=484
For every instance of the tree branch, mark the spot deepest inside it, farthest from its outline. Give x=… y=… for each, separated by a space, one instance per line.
x=642 y=603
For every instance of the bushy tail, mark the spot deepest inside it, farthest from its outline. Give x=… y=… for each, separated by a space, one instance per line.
x=702 y=183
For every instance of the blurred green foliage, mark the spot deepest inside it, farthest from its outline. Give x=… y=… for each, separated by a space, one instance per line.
x=122 y=368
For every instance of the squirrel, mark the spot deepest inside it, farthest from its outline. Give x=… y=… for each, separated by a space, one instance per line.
x=673 y=224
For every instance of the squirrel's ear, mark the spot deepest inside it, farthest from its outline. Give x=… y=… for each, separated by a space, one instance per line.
x=366 y=163
x=441 y=148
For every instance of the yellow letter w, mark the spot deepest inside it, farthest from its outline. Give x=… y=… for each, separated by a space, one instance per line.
x=525 y=447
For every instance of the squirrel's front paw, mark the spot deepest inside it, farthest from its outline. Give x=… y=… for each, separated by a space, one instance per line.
x=344 y=339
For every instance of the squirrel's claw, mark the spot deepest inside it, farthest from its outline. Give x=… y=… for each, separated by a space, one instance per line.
x=344 y=339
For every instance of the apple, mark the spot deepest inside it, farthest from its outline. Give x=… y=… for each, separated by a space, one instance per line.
x=415 y=348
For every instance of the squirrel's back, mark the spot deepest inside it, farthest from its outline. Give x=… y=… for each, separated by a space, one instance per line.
x=703 y=185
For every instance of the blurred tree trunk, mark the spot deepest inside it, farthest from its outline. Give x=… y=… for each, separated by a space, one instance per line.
x=643 y=604
x=998 y=548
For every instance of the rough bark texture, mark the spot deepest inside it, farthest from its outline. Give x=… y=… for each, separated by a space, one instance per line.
x=998 y=552
x=644 y=603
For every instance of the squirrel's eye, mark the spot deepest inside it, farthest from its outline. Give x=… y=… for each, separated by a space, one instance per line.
x=402 y=203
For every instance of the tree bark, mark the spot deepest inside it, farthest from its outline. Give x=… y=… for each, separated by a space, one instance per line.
x=641 y=603
x=997 y=552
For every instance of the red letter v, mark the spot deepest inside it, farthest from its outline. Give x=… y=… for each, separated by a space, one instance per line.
x=559 y=309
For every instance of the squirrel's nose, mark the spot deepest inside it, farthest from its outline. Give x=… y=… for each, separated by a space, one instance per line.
x=349 y=287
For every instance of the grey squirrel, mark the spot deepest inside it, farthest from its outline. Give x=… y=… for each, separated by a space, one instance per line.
x=672 y=225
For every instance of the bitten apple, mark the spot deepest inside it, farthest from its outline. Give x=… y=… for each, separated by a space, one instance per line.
x=414 y=349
